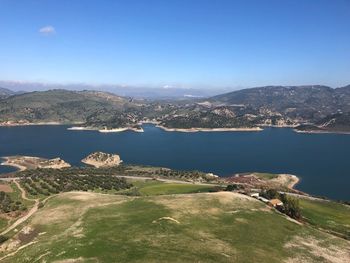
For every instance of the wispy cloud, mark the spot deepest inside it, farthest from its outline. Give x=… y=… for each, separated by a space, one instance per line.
x=47 y=30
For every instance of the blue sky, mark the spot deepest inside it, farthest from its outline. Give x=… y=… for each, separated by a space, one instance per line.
x=184 y=43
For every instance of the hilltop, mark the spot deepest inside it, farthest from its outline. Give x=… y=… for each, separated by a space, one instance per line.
x=217 y=227
x=130 y=213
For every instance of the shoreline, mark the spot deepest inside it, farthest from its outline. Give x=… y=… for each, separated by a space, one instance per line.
x=105 y=130
x=18 y=124
x=322 y=132
x=209 y=129
x=295 y=181
x=189 y=130
x=15 y=165
x=25 y=162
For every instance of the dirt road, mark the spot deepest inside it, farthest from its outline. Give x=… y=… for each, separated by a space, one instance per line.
x=29 y=214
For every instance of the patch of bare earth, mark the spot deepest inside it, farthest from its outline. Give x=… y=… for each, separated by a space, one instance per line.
x=166 y=218
x=75 y=260
x=6 y=188
x=328 y=252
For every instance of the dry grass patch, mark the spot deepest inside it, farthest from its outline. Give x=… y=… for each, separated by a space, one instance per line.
x=318 y=248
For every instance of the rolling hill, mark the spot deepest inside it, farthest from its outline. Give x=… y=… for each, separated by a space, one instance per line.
x=61 y=106
x=306 y=102
x=5 y=93
x=313 y=107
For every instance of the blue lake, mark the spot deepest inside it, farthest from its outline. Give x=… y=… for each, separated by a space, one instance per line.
x=322 y=161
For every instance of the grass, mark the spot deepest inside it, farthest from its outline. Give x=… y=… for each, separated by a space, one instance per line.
x=16 y=195
x=3 y=223
x=153 y=187
x=327 y=215
x=216 y=227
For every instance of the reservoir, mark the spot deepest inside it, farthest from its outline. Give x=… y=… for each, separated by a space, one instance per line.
x=321 y=161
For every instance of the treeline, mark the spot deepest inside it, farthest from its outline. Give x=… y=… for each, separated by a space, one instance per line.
x=88 y=170
x=121 y=170
x=184 y=175
x=55 y=183
x=8 y=205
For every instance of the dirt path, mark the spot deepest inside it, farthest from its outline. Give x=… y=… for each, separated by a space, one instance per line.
x=29 y=214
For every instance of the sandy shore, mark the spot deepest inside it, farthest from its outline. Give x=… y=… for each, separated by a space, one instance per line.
x=104 y=130
x=294 y=181
x=210 y=129
x=30 y=162
x=287 y=180
x=14 y=124
x=321 y=132
x=7 y=162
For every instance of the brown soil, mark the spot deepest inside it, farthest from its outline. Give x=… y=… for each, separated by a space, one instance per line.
x=6 y=188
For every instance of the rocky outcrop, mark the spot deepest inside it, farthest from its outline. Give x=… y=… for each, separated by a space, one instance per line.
x=55 y=163
x=100 y=159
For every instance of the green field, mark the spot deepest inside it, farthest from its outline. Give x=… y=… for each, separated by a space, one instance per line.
x=203 y=227
x=152 y=187
x=331 y=216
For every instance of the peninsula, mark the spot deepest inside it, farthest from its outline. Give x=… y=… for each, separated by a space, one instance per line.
x=30 y=162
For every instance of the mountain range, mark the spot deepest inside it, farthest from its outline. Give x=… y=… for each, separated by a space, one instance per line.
x=307 y=108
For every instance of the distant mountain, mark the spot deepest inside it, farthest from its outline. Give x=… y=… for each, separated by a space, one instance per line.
x=5 y=93
x=305 y=107
x=302 y=102
x=139 y=92
x=60 y=106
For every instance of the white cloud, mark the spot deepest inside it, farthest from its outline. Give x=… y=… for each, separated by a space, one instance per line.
x=47 y=30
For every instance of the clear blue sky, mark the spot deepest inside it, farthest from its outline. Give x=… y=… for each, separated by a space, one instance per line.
x=188 y=43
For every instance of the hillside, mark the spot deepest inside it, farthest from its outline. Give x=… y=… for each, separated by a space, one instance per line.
x=312 y=107
x=339 y=122
x=214 y=227
x=5 y=93
x=305 y=102
x=61 y=106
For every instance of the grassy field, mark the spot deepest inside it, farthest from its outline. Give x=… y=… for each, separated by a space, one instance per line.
x=203 y=227
x=152 y=187
x=330 y=216
x=3 y=223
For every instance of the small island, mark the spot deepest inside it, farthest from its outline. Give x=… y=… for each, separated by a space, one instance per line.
x=101 y=159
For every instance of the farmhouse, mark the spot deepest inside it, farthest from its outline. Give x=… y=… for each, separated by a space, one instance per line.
x=275 y=202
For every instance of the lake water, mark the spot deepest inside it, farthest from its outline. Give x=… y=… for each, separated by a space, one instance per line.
x=322 y=161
